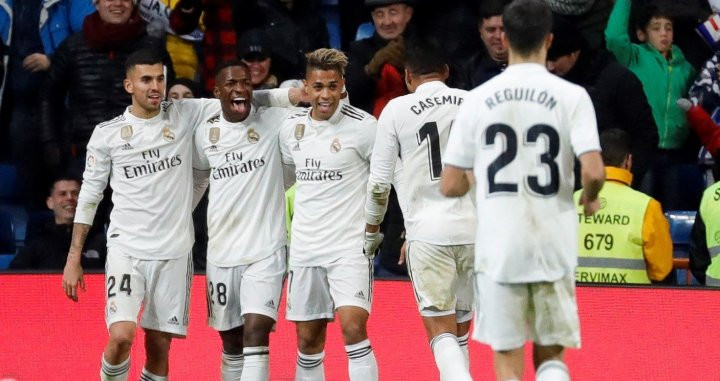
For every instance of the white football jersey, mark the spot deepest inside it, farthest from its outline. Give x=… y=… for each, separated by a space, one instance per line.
x=149 y=164
x=518 y=132
x=332 y=164
x=246 y=210
x=416 y=127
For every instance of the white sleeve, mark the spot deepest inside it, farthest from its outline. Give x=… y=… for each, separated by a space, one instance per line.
x=197 y=110
x=98 y=164
x=460 y=151
x=272 y=98
x=369 y=133
x=400 y=187
x=583 y=126
x=285 y=154
x=382 y=168
x=386 y=149
x=201 y=180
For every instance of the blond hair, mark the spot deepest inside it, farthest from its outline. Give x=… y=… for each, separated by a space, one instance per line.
x=327 y=59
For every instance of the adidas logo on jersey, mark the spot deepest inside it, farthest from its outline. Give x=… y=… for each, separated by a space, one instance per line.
x=270 y=304
x=360 y=295
x=126 y=147
x=173 y=320
x=213 y=148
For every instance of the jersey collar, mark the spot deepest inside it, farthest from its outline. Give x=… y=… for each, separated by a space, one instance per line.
x=334 y=118
x=250 y=118
x=135 y=120
x=428 y=87
x=619 y=175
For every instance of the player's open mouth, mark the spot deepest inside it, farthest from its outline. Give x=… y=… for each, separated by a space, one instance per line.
x=239 y=105
x=324 y=106
x=154 y=98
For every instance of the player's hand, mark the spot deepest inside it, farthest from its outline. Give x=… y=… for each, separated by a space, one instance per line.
x=72 y=280
x=392 y=53
x=403 y=252
x=589 y=207
x=36 y=62
x=372 y=243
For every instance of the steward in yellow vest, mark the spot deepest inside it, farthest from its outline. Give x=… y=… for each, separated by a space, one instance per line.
x=628 y=239
x=705 y=242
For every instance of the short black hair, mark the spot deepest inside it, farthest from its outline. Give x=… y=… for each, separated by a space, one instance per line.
x=424 y=56
x=652 y=9
x=491 y=8
x=526 y=24
x=231 y=63
x=615 y=146
x=189 y=83
x=63 y=177
x=143 y=57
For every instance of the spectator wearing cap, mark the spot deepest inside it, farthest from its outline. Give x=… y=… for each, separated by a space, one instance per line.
x=616 y=92
x=374 y=74
x=84 y=85
x=493 y=58
x=254 y=51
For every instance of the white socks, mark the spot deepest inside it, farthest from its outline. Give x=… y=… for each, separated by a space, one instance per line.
x=449 y=358
x=463 y=341
x=231 y=367
x=117 y=372
x=147 y=376
x=256 y=364
x=310 y=367
x=362 y=365
x=553 y=370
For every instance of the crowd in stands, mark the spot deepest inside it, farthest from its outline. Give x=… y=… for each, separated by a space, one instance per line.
x=651 y=68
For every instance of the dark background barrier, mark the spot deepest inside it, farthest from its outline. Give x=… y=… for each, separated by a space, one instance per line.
x=627 y=334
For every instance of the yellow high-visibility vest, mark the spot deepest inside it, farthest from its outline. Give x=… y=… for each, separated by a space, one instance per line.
x=710 y=212
x=610 y=244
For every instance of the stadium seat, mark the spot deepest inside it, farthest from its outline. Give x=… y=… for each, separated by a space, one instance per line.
x=681 y=223
x=8 y=183
x=5 y=260
x=364 y=30
x=19 y=218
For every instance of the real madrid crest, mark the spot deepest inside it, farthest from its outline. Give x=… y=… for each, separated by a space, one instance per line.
x=168 y=134
x=299 y=131
x=335 y=146
x=214 y=135
x=126 y=132
x=252 y=136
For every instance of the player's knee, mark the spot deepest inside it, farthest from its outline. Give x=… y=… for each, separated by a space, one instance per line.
x=354 y=332
x=259 y=336
x=232 y=341
x=311 y=344
x=122 y=339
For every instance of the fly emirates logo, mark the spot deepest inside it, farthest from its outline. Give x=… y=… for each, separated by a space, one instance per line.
x=312 y=172
x=235 y=165
x=153 y=164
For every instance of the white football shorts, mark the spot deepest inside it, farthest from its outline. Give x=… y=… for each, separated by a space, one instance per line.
x=509 y=314
x=249 y=289
x=315 y=292
x=161 y=287
x=442 y=278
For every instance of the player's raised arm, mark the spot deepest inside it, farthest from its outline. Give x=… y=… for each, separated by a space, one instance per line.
x=95 y=178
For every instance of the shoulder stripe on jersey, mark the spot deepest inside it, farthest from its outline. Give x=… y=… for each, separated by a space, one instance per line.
x=213 y=119
x=118 y=118
x=298 y=115
x=350 y=115
x=352 y=110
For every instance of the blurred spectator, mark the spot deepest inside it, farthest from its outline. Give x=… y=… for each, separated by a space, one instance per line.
x=254 y=51
x=374 y=74
x=37 y=28
x=491 y=60
x=219 y=41
x=182 y=88
x=156 y=14
x=707 y=130
x=85 y=76
x=666 y=75
x=705 y=241
x=588 y=16
x=293 y=27
x=47 y=249
x=628 y=240
x=461 y=40
x=616 y=93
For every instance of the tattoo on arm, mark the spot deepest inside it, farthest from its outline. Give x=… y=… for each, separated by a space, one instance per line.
x=79 y=235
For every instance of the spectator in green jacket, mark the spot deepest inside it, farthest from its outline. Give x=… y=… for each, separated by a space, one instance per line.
x=666 y=76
